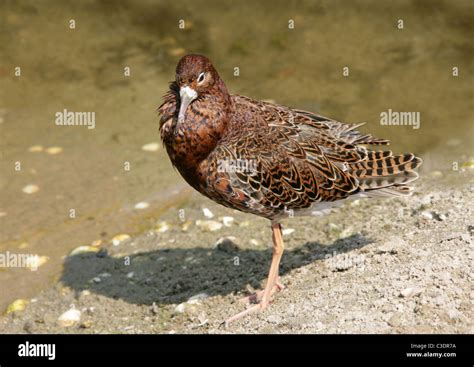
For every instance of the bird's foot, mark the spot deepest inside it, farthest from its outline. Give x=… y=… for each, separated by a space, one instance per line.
x=257 y=296
x=258 y=307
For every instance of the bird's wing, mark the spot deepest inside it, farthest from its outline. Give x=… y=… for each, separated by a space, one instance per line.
x=298 y=158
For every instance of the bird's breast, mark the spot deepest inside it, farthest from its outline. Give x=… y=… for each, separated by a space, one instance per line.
x=191 y=141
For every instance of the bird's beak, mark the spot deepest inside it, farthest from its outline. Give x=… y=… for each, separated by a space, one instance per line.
x=187 y=95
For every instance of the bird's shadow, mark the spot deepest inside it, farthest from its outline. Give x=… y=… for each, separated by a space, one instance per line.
x=173 y=275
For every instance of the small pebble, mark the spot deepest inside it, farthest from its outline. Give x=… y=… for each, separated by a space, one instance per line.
x=254 y=242
x=226 y=244
x=227 y=221
x=16 y=306
x=468 y=164
x=30 y=189
x=154 y=308
x=151 y=147
x=54 y=150
x=273 y=319
x=287 y=231
x=69 y=318
x=209 y=225
x=410 y=292
x=65 y=291
x=395 y=320
x=141 y=205
x=207 y=213
x=439 y=216
x=180 y=308
x=118 y=239
x=161 y=227
x=186 y=225
x=35 y=148
x=87 y=324
x=83 y=249
x=427 y=215
x=426 y=200
x=96 y=243
x=29 y=326
x=197 y=298
x=85 y=293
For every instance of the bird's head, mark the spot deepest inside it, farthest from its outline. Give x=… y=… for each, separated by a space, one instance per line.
x=195 y=76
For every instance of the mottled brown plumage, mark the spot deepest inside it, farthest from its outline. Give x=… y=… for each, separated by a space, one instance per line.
x=301 y=158
x=302 y=163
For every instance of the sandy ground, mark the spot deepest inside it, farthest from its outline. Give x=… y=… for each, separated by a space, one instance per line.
x=378 y=266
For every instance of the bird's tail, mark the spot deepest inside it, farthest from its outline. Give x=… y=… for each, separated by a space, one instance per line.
x=382 y=174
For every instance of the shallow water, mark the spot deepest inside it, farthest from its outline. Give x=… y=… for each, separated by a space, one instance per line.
x=82 y=69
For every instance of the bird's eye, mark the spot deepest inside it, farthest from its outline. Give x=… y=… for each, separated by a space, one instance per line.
x=201 y=78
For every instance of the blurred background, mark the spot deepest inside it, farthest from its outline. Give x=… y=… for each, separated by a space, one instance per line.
x=82 y=69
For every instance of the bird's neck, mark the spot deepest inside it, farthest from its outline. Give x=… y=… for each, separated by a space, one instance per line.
x=206 y=121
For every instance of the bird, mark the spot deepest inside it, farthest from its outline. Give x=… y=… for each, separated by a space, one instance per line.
x=269 y=160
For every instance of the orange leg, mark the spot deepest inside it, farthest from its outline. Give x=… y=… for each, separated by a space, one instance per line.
x=272 y=282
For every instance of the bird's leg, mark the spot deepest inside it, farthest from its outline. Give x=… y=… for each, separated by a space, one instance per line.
x=278 y=248
x=272 y=281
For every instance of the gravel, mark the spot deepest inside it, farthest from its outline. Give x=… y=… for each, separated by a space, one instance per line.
x=388 y=266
